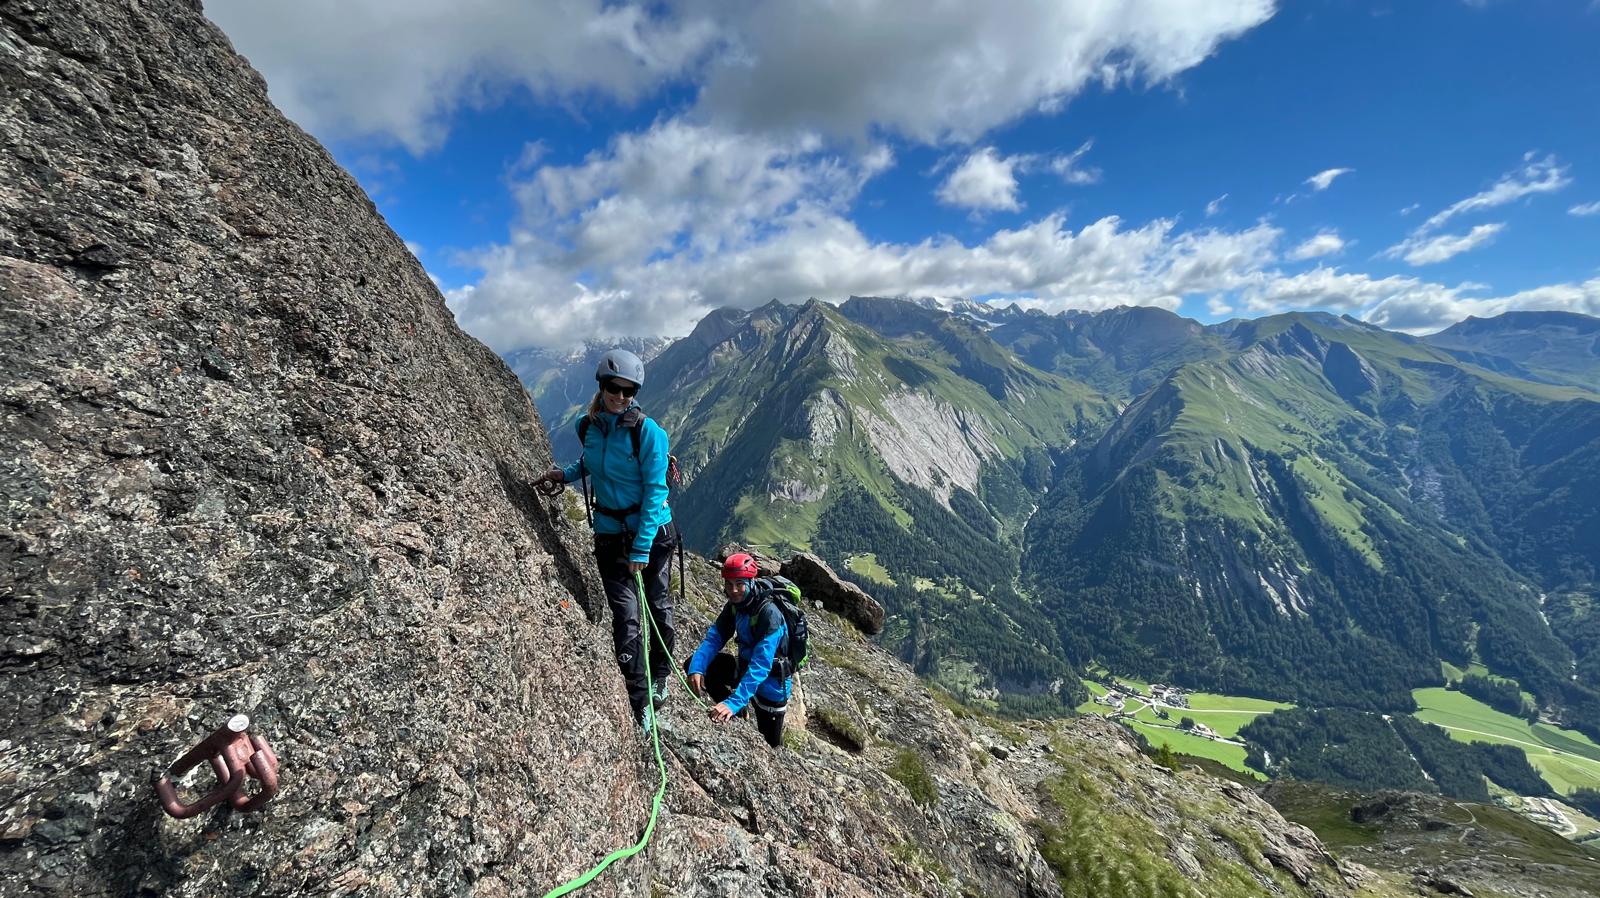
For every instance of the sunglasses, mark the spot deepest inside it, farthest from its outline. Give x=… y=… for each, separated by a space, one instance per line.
x=615 y=388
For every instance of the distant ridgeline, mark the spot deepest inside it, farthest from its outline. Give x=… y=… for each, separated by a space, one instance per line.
x=1302 y=507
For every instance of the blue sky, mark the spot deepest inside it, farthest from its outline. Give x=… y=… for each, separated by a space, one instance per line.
x=589 y=169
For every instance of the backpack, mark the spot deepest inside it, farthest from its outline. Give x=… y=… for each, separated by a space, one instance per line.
x=785 y=595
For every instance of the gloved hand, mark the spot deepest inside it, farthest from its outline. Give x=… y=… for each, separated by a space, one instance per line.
x=550 y=482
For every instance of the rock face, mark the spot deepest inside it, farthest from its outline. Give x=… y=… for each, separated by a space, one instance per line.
x=252 y=466
x=818 y=581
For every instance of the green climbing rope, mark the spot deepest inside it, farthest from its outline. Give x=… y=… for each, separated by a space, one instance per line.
x=661 y=790
x=665 y=650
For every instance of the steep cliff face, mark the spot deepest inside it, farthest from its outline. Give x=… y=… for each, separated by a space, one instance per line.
x=252 y=466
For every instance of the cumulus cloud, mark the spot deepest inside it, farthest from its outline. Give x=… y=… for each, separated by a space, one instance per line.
x=628 y=242
x=1424 y=250
x=1215 y=206
x=928 y=72
x=1325 y=243
x=1324 y=179
x=1329 y=288
x=1534 y=176
x=398 y=69
x=1585 y=209
x=943 y=71
x=985 y=181
x=664 y=225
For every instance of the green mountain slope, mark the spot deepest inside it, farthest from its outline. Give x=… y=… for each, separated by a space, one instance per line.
x=1122 y=351
x=888 y=428
x=1322 y=514
x=1554 y=347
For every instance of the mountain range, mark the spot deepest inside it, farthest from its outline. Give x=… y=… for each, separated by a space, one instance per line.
x=1303 y=507
x=260 y=477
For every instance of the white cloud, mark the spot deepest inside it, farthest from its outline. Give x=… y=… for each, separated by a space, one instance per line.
x=630 y=242
x=1585 y=209
x=1411 y=208
x=1328 y=288
x=398 y=69
x=1424 y=250
x=526 y=299
x=930 y=72
x=1534 y=176
x=1421 y=312
x=1324 y=179
x=985 y=181
x=943 y=71
x=648 y=235
x=1068 y=169
x=1215 y=206
x=1325 y=243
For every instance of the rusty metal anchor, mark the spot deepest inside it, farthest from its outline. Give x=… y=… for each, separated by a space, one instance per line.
x=235 y=755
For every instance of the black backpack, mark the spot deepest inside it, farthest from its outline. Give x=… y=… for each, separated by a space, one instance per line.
x=785 y=595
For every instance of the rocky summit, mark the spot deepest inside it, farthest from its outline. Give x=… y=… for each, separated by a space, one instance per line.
x=254 y=468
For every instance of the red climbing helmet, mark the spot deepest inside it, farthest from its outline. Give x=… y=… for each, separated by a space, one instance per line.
x=739 y=566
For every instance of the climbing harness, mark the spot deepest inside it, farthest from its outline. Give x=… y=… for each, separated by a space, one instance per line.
x=235 y=755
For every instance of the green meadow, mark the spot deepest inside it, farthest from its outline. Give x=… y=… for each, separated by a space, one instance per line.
x=1567 y=759
x=867 y=566
x=1225 y=714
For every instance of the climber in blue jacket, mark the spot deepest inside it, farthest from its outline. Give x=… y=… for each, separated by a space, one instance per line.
x=625 y=458
x=752 y=679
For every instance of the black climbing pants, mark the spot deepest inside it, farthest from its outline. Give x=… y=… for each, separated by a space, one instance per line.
x=611 y=554
x=722 y=677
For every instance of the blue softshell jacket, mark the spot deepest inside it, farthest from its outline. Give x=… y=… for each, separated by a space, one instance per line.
x=622 y=481
x=755 y=657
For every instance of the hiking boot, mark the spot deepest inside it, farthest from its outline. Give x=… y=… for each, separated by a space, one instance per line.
x=659 y=691
x=647 y=721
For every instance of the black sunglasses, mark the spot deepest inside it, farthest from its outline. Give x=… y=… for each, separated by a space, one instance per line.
x=613 y=387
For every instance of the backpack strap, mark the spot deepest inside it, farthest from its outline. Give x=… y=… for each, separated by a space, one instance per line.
x=724 y=622
x=764 y=619
x=631 y=420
